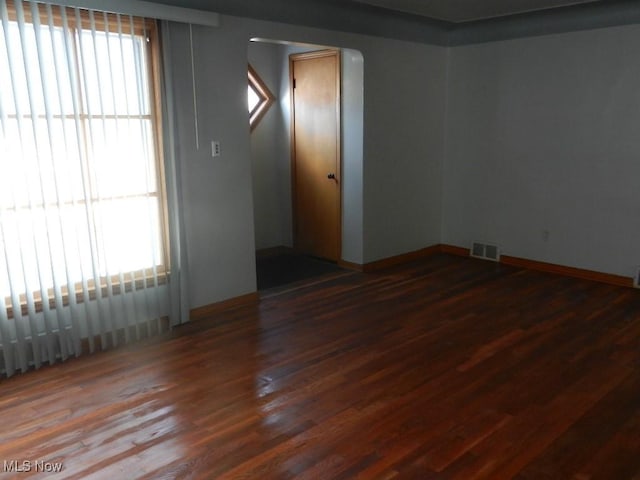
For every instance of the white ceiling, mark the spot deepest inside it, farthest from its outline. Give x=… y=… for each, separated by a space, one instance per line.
x=468 y=10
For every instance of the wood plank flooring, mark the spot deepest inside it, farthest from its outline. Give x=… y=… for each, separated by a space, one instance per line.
x=446 y=368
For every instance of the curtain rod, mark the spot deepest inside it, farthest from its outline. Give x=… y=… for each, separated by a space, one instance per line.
x=141 y=8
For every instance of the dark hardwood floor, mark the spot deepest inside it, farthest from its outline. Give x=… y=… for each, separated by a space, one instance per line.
x=446 y=368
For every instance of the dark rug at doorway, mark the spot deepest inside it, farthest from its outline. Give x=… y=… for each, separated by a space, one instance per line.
x=283 y=269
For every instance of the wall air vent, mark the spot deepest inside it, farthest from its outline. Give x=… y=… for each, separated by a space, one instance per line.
x=477 y=250
x=491 y=252
x=485 y=251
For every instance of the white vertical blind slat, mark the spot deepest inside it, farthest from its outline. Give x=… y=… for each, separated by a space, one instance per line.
x=53 y=318
x=179 y=287
x=140 y=96
x=80 y=314
x=121 y=306
x=30 y=241
x=69 y=317
x=20 y=336
x=129 y=321
x=6 y=335
x=150 y=177
x=107 y=320
x=93 y=217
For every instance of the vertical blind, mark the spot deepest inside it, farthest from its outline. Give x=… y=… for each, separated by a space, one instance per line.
x=83 y=231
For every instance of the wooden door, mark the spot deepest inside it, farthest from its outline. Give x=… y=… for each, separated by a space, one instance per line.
x=315 y=78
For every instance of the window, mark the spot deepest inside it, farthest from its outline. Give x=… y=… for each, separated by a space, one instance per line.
x=82 y=198
x=259 y=98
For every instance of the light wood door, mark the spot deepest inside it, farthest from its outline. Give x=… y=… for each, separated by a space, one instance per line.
x=315 y=79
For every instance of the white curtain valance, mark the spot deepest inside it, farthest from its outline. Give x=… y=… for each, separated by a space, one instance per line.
x=145 y=9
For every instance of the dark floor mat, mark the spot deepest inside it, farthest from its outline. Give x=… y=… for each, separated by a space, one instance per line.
x=278 y=270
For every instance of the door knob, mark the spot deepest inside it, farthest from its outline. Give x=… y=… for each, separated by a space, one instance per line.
x=331 y=176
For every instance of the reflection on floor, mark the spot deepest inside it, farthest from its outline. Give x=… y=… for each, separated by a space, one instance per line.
x=286 y=267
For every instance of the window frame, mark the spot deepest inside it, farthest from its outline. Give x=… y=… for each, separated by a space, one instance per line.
x=148 y=277
x=266 y=98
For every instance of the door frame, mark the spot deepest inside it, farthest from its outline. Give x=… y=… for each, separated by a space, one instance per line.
x=327 y=52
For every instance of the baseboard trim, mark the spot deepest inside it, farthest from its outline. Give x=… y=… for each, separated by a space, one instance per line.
x=453 y=250
x=358 y=267
x=201 y=313
x=581 y=273
x=607 y=278
x=400 y=259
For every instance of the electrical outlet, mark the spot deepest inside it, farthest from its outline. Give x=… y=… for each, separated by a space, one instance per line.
x=215 y=148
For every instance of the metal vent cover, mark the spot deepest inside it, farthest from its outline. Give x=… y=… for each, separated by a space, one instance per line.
x=491 y=252
x=477 y=250
x=485 y=251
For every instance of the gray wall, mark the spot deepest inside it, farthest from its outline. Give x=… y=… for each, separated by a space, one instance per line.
x=216 y=192
x=404 y=98
x=543 y=135
x=270 y=152
x=405 y=101
x=352 y=156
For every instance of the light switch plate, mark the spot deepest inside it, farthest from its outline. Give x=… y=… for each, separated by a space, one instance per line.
x=215 y=148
